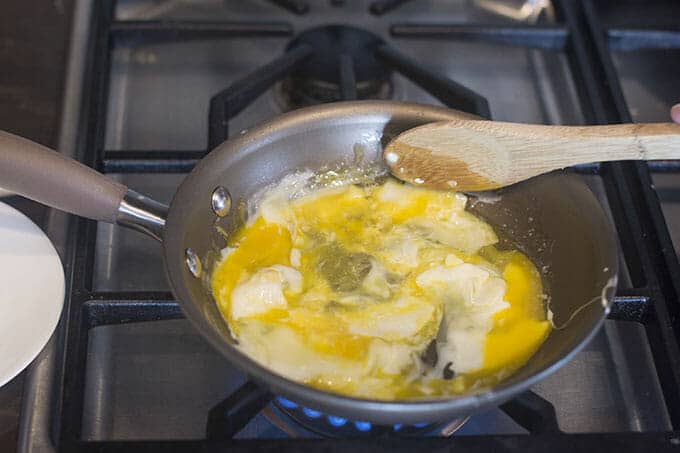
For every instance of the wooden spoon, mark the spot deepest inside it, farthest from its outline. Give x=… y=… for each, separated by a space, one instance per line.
x=474 y=155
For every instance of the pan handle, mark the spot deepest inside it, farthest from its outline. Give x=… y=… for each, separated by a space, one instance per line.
x=44 y=175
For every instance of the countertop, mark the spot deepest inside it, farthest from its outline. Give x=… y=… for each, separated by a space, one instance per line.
x=34 y=37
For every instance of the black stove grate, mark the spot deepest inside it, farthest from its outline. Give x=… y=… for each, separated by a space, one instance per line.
x=645 y=240
x=308 y=55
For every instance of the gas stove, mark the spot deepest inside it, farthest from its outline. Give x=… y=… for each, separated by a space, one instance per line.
x=153 y=85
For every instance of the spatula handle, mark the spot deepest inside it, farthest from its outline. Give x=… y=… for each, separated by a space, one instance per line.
x=642 y=141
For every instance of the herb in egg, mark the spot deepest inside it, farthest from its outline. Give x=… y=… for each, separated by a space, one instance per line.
x=343 y=270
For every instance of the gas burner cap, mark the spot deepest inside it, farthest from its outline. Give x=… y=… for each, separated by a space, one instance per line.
x=317 y=79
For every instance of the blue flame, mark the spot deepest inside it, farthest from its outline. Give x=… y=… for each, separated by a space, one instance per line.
x=336 y=421
x=363 y=426
x=286 y=403
x=339 y=421
x=311 y=413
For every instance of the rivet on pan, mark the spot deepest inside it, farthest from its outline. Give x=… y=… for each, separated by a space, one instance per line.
x=193 y=263
x=220 y=201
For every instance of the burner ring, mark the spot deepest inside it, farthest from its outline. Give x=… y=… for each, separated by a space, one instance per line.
x=335 y=427
x=317 y=79
x=331 y=41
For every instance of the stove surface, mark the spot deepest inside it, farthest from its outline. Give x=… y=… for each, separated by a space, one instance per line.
x=534 y=86
x=158 y=381
x=159 y=93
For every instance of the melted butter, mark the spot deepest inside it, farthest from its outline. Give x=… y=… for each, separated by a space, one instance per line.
x=360 y=332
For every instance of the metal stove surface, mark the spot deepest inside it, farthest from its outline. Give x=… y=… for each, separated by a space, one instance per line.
x=157 y=380
x=159 y=93
x=158 y=100
x=649 y=78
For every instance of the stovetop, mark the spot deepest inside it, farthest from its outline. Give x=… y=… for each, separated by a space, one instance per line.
x=153 y=84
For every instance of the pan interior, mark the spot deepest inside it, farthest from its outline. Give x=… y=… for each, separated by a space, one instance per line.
x=554 y=219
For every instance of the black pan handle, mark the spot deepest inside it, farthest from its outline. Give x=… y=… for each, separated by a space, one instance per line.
x=44 y=175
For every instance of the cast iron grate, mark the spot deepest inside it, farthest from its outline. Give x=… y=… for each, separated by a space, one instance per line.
x=646 y=244
x=344 y=52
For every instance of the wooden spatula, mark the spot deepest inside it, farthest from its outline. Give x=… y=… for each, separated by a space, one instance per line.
x=471 y=155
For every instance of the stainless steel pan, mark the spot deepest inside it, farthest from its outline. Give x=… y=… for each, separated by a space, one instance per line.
x=555 y=219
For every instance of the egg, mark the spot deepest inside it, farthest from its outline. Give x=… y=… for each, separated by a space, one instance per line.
x=263 y=291
x=403 y=320
x=384 y=290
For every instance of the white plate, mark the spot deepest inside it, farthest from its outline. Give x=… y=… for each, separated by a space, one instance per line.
x=31 y=291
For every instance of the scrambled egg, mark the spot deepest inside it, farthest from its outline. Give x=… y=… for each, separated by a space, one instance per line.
x=385 y=291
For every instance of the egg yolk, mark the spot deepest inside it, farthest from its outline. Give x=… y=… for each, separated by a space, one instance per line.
x=521 y=328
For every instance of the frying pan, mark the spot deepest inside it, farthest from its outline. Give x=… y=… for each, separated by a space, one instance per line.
x=554 y=219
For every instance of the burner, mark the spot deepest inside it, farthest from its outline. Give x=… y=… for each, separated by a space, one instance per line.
x=332 y=426
x=342 y=67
